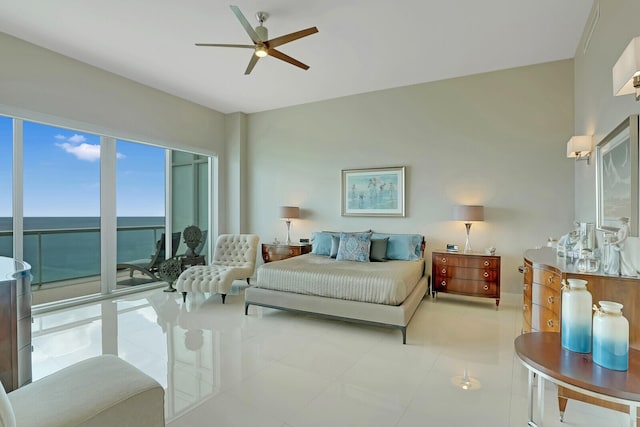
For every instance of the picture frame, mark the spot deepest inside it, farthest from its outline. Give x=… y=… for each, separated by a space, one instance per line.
x=617 y=177
x=373 y=192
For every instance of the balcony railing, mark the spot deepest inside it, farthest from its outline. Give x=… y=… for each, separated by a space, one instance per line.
x=74 y=253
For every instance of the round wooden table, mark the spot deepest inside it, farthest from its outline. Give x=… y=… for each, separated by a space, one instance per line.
x=543 y=355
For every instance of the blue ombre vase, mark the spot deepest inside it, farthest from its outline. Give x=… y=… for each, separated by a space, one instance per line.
x=611 y=337
x=576 y=316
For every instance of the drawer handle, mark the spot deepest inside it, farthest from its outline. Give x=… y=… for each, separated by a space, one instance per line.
x=525 y=307
x=550 y=279
x=444 y=271
x=486 y=274
x=525 y=286
x=444 y=260
x=485 y=287
x=550 y=299
x=550 y=323
x=486 y=263
x=526 y=269
x=443 y=283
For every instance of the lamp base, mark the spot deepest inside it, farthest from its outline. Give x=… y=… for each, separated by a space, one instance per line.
x=467 y=245
x=288 y=241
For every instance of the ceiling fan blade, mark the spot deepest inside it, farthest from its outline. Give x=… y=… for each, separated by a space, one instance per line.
x=247 y=27
x=252 y=63
x=249 y=46
x=278 y=41
x=286 y=58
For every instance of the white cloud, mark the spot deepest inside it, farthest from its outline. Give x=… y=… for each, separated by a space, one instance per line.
x=76 y=139
x=58 y=136
x=88 y=152
x=120 y=156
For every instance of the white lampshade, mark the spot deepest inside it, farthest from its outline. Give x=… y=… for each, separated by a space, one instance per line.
x=289 y=212
x=468 y=213
x=579 y=146
x=626 y=68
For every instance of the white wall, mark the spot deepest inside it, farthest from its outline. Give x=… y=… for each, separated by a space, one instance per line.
x=36 y=83
x=597 y=111
x=496 y=139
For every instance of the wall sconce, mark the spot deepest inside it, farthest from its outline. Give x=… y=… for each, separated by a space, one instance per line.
x=626 y=72
x=287 y=213
x=468 y=214
x=580 y=147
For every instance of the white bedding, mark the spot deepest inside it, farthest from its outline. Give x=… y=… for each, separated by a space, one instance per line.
x=375 y=282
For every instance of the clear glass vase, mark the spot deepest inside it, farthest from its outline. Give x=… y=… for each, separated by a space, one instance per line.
x=575 y=327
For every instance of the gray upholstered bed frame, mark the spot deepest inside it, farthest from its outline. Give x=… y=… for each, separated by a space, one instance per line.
x=394 y=316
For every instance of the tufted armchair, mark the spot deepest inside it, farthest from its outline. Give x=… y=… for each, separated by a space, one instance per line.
x=234 y=258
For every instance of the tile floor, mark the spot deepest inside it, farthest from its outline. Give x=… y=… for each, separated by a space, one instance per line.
x=273 y=368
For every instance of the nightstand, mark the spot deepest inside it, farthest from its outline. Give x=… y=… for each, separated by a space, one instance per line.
x=471 y=274
x=279 y=251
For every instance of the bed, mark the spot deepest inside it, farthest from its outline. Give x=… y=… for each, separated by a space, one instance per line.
x=379 y=283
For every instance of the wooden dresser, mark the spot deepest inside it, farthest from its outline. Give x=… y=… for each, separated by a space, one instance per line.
x=470 y=274
x=15 y=323
x=279 y=251
x=542 y=304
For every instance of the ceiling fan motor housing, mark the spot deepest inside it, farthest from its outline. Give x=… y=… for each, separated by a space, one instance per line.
x=262 y=33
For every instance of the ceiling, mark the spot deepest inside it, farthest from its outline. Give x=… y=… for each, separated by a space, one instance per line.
x=361 y=46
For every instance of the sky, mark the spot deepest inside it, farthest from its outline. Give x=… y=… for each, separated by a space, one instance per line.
x=62 y=173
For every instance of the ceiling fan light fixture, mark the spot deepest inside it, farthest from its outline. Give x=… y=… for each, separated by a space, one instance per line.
x=261 y=51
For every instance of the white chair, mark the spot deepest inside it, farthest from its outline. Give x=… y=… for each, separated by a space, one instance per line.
x=102 y=391
x=234 y=258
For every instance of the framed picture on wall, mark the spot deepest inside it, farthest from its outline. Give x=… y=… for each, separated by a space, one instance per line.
x=617 y=177
x=373 y=192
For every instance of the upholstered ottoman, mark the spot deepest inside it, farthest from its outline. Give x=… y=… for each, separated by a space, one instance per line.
x=101 y=391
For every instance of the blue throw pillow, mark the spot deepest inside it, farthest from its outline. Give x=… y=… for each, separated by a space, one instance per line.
x=321 y=242
x=354 y=247
x=404 y=247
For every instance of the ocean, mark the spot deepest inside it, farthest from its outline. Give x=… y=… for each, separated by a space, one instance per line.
x=63 y=248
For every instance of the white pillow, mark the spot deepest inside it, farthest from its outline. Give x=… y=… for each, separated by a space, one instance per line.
x=7 y=418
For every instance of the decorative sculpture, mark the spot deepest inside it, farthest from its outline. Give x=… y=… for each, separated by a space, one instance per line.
x=192 y=237
x=169 y=271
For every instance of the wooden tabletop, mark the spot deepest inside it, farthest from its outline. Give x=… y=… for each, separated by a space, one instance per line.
x=543 y=352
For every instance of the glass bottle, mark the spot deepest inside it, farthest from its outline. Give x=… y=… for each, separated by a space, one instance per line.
x=575 y=327
x=610 y=336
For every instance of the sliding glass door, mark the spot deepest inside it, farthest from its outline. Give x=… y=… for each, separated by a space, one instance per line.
x=6 y=186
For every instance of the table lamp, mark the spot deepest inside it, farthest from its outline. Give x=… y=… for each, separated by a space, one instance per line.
x=468 y=213
x=287 y=213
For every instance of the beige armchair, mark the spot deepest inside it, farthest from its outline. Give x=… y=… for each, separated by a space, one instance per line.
x=234 y=258
x=100 y=391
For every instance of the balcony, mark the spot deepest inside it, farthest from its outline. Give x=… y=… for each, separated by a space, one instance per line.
x=66 y=261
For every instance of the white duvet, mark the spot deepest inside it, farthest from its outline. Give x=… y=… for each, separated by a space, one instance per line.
x=375 y=282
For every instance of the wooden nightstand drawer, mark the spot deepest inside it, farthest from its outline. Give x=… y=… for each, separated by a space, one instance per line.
x=466 y=287
x=483 y=274
x=277 y=251
x=470 y=261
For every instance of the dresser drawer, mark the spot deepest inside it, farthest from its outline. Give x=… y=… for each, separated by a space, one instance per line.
x=467 y=287
x=547 y=278
x=545 y=319
x=546 y=297
x=482 y=274
x=466 y=261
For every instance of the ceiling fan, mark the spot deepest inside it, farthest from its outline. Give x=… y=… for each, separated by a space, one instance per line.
x=262 y=46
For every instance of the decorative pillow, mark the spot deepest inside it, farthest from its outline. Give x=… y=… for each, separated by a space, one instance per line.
x=321 y=242
x=379 y=249
x=335 y=244
x=404 y=247
x=354 y=247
